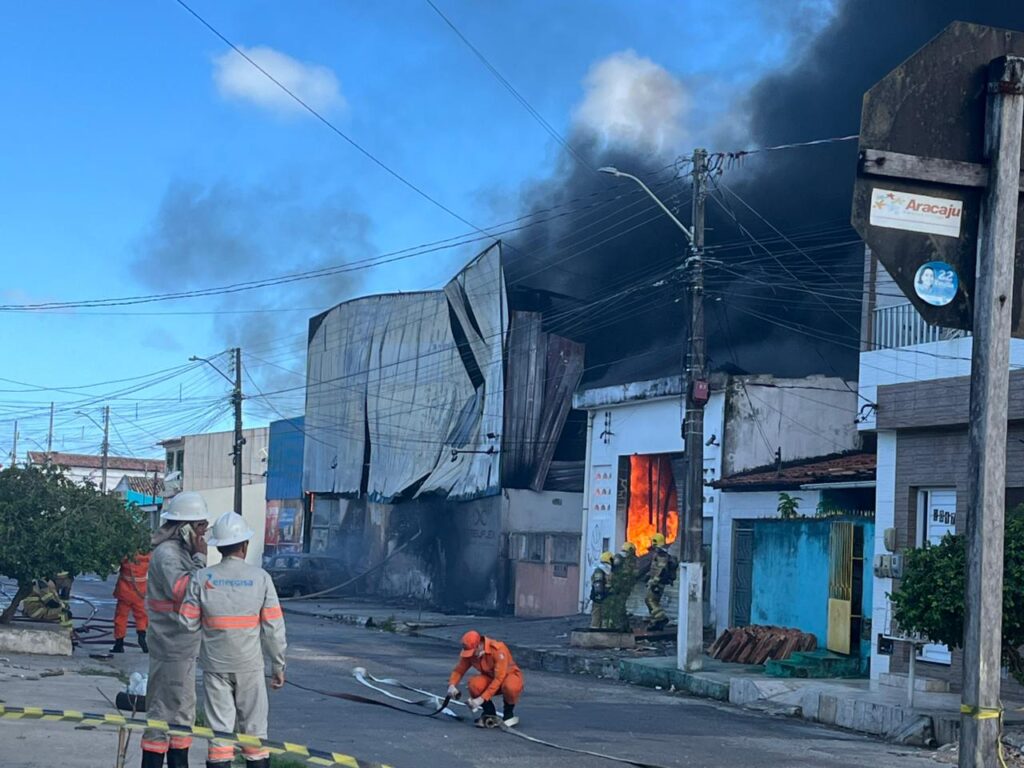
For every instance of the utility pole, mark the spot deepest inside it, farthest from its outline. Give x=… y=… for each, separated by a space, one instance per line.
x=14 y=448
x=49 y=436
x=691 y=593
x=236 y=453
x=981 y=711
x=106 y=449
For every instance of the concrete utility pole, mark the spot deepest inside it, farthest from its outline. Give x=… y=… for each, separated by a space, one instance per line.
x=14 y=448
x=104 y=460
x=236 y=453
x=690 y=634
x=49 y=436
x=981 y=711
x=691 y=580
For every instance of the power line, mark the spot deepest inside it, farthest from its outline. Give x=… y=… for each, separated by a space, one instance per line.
x=330 y=125
x=511 y=89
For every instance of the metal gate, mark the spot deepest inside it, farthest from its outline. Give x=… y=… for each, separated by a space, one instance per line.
x=742 y=572
x=840 y=587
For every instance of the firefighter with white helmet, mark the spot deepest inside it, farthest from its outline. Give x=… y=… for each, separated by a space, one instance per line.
x=236 y=606
x=179 y=550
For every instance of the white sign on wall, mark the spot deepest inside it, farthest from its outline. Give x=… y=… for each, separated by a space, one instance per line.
x=915 y=213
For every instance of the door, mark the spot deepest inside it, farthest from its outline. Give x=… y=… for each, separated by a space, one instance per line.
x=742 y=572
x=840 y=587
x=937 y=517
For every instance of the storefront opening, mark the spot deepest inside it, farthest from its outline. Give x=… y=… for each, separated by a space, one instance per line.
x=653 y=504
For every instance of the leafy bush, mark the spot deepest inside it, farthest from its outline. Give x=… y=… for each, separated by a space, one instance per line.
x=930 y=599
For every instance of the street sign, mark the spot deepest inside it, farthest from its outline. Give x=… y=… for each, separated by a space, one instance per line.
x=922 y=172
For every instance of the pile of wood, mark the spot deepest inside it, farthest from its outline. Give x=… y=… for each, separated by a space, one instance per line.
x=756 y=645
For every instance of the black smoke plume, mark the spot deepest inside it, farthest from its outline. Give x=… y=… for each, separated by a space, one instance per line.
x=789 y=304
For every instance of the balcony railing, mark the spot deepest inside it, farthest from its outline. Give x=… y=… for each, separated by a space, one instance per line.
x=901 y=326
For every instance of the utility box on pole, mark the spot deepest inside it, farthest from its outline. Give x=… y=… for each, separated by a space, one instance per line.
x=937 y=198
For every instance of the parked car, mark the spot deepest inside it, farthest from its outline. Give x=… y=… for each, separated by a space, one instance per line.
x=297 y=574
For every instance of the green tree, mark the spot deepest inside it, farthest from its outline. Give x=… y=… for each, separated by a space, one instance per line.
x=49 y=524
x=930 y=599
x=788 y=506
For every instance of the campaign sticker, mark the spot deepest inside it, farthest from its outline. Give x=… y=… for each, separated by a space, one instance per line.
x=936 y=282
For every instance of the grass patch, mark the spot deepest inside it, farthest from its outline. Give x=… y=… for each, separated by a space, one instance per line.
x=387 y=625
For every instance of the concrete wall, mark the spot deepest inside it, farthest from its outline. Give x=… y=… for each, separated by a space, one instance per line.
x=525 y=511
x=791 y=575
x=806 y=417
x=921 y=362
x=735 y=505
x=254 y=510
x=545 y=589
x=208 y=459
x=642 y=427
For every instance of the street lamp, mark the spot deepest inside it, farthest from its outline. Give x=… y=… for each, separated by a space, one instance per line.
x=612 y=171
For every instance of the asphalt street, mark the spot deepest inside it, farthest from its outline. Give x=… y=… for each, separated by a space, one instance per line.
x=574 y=711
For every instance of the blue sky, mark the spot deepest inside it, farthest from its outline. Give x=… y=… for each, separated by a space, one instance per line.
x=129 y=168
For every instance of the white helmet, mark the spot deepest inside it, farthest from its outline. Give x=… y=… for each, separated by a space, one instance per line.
x=188 y=506
x=229 y=529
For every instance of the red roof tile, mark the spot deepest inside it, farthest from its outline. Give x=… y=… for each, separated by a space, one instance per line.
x=87 y=461
x=844 y=468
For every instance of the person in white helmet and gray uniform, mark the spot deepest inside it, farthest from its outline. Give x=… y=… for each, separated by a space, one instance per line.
x=178 y=552
x=236 y=607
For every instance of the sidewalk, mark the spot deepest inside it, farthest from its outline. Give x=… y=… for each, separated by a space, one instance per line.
x=543 y=644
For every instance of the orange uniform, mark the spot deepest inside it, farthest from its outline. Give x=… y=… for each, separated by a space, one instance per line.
x=130 y=592
x=499 y=673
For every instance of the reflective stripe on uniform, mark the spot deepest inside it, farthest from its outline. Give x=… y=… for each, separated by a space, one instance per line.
x=231 y=622
x=179 y=588
x=219 y=752
x=159 y=747
x=189 y=611
x=181 y=742
x=269 y=614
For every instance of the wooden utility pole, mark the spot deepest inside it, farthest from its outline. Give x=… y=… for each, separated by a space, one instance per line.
x=236 y=452
x=691 y=579
x=106 y=449
x=981 y=712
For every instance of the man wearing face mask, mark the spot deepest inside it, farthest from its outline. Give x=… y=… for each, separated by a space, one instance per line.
x=179 y=551
x=498 y=674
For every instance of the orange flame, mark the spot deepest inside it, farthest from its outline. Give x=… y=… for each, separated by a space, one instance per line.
x=653 y=502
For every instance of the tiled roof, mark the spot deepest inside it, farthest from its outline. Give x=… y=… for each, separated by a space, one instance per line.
x=143 y=485
x=843 y=468
x=87 y=461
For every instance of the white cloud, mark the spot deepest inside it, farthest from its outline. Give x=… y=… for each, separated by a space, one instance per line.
x=633 y=102
x=316 y=85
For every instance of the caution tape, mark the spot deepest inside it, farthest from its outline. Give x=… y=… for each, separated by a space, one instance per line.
x=310 y=755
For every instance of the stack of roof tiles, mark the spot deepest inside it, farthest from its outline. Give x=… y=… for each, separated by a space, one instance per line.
x=757 y=644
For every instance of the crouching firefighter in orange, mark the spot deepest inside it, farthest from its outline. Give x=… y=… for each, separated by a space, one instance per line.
x=498 y=674
x=130 y=592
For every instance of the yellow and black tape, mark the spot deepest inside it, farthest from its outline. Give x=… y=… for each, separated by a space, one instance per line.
x=310 y=755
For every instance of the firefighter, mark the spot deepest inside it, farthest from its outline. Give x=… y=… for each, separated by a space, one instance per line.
x=236 y=606
x=44 y=604
x=662 y=574
x=624 y=568
x=498 y=674
x=130 y=592
x=179 y=550
x=599 y=590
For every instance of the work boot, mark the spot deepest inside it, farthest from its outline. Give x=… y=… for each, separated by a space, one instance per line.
x=142 y=641
x=508 y=715
x=177 y=758
x=119 y=648
x=152 y=759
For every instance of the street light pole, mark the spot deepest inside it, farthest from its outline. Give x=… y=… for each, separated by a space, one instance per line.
x=690 y=633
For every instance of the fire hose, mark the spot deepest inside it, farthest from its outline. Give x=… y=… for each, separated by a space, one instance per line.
x=364 y=678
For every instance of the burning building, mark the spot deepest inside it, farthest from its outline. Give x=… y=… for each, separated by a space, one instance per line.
x=439 y=442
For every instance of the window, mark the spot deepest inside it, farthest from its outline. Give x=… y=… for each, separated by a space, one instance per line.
x=936 y=518
x=181 y=461
x=565 y=548
x=528 y=547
